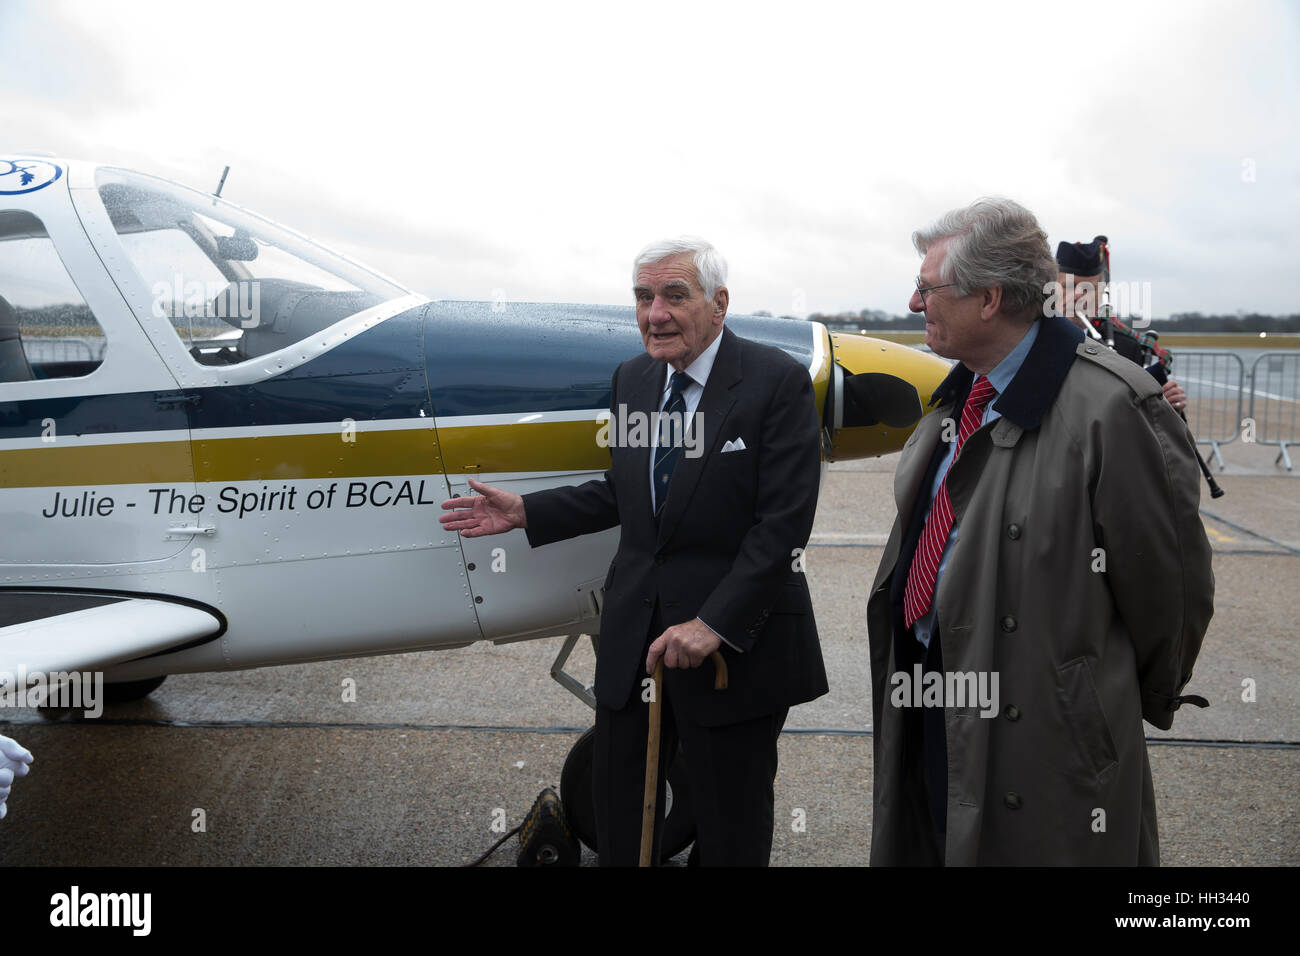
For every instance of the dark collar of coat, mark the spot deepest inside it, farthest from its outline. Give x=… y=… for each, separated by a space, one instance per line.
x=1035 y=386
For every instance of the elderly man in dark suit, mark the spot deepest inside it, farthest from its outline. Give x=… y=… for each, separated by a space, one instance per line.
x=712 y=522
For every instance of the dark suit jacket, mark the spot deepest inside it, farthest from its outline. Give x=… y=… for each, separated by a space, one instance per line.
x=724 y=549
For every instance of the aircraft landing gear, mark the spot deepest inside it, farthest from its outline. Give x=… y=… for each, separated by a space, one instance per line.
x=580 y=810
x=123 y=691
x=575 y=780
x=116 y=693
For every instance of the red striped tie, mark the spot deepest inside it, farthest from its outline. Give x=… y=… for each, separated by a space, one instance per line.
x=919 y=593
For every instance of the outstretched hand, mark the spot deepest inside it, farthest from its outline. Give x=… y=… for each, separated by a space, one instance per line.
x=492 y=511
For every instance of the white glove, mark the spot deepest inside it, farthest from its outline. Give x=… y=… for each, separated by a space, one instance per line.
x=14 y=762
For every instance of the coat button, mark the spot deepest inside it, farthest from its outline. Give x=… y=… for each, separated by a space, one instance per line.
x=1011 y=712
x=659 y=559
x=1012 y=800
x=1013 y=532
x=647 y=602
x=1008 y=624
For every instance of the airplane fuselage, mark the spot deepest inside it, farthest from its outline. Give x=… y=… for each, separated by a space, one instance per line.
x=283 y=470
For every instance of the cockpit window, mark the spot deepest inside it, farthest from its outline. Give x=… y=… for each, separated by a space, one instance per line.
x=233 y=285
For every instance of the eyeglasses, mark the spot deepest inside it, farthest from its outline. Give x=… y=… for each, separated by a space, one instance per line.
x=923 y=289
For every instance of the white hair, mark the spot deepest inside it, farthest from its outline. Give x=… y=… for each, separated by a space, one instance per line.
x=710 y=267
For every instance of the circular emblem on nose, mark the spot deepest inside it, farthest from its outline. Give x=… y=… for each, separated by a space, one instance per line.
x=19 y=176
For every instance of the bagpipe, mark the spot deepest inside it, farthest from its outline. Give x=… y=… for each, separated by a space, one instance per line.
x=1141 y=347
x=1138 y=347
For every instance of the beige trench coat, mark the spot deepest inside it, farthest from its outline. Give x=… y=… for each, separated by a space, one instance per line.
x=1081 y=577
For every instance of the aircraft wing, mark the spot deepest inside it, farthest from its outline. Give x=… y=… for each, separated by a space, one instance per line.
x=48 y=632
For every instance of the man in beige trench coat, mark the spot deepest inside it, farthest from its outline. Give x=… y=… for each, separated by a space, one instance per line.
x=1053 y=597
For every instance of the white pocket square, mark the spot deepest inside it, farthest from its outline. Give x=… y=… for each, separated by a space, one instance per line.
x=736 y=444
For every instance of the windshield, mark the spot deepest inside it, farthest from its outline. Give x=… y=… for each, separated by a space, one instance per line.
x=233 y=285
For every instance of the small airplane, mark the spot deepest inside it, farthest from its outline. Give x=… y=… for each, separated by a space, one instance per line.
x=223 y=446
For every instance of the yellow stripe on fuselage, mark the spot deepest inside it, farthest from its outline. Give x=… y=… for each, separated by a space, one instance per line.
x=117 y=464
x=408 y=451
x=531 y=447
x=538 y=446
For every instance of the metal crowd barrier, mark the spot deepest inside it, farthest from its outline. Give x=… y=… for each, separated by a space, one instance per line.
x=1213 y=382
x=42 y=349
x=1275 y=401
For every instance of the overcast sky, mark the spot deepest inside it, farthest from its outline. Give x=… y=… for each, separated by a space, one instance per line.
x=533 y=148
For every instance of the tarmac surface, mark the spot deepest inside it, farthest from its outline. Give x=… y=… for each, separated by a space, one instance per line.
x=440 y=746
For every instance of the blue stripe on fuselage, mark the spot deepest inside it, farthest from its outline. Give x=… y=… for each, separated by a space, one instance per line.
x=377 y=375
x=495 y=358
x=482 y=358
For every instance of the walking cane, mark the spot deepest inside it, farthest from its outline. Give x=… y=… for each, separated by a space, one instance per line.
x=652 y=754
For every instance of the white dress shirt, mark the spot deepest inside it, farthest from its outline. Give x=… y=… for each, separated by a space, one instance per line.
x=699 y=374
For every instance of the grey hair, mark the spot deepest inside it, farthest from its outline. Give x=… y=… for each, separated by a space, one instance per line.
x=709 y=264
x=994 y=242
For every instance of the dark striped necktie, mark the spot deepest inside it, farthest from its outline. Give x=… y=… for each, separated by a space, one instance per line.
x=669 y=437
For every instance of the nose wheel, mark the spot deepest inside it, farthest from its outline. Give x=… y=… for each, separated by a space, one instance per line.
x=580 y=808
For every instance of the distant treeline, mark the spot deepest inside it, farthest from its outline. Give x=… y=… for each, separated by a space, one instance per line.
x=1254 y=322
x=65 y=313
x=876 y=321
